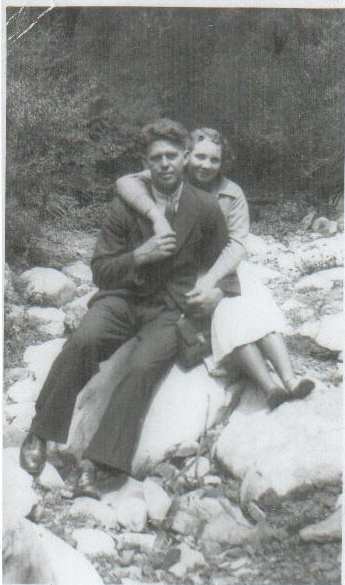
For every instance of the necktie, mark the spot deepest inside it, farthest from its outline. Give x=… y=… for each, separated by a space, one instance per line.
x=170 y=212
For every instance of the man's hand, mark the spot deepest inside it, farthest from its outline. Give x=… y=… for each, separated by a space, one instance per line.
x=155 y=249
x=204 y=284
x=204 y=302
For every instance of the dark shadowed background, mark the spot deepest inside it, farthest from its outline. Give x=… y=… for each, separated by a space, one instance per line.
x=82 y=81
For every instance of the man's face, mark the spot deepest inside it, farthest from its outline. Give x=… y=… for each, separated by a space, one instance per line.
x=205 y=162
x=166 y=161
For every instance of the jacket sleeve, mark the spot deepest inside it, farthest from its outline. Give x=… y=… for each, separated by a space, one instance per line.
x=216 y=238
x=113 y=263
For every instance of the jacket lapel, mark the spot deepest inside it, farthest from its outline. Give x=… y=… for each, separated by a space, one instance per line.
x=186 y=215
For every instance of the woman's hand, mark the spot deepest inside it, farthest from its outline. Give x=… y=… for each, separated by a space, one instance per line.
x=204 y=302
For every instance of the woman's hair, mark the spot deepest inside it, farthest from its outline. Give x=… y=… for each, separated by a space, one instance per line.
x=201 y=134
x=164 y=129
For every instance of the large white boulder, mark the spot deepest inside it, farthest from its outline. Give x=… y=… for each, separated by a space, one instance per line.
x=320 y=254
x=25 y=390
x=79 y=272
x=328 y=332
x=298 y=443
x=264 y=274
x=39 y=358
x=19 y=496
x=183 y=405
x=47 y=287
x=31 y=554
x=323 y=279
x=50 y=320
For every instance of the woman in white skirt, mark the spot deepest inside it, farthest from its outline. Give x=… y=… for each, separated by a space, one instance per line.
x=246 y=329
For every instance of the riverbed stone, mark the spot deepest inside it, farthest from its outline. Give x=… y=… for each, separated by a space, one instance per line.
x=299 y=443
x=327 y=530
x=225 y=530
x=39 y=358
x=92 y=541
x=323 y=279
x=157 y=500
x=19 y=496
x=100 y=512
x=79 y=272
x=76 y=309
x=47 y=287
x=50 y=478
x=328 y=331
x=50 y=320
x=132 y=514
x=25 y=390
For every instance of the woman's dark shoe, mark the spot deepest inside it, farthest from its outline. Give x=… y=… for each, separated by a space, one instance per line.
x=33 y=454
x=86 y=484
x=277 y=396
x=302 y=389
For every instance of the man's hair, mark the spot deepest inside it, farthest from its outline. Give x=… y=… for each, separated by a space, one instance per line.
x=164 y=129
x=201 y=134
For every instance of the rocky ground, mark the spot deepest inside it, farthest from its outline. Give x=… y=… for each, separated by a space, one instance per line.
x=254 y=498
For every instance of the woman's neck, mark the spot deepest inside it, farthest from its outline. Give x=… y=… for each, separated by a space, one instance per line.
x=209 y=187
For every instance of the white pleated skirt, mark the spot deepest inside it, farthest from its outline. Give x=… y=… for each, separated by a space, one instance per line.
x=246 y=318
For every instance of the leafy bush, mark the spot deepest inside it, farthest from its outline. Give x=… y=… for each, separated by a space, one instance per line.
x=21 y=232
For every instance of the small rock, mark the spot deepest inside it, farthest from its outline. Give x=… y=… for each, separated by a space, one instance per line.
x=79 y=272
x=243 y=571
x=132 y=514
x=24 y=391
x=225 y=530
x=191 y=558
x=326 y=531
x=129 y=540
x=100 y=512
x=187 y=449
x=211 y=549
x=212 y=480
x=199 y=468
x=47 y=287
x=93 y=542
x=239 y=563
x=255 y=512
x=178 y=570
x=157 y=500
x=308 y=219
x=130 y=489
x=50 y=477
x=185 y=523
x=325 y=226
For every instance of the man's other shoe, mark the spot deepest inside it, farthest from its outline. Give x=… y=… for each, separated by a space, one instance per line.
x=86 y=484
x=33 y=454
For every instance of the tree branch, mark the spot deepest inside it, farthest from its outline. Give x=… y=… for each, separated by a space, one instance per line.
x=31 y=25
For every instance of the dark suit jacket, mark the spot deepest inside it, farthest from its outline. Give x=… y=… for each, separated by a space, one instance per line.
x=201 y=235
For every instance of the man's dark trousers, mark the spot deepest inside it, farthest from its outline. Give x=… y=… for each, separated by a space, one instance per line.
x=108 y=324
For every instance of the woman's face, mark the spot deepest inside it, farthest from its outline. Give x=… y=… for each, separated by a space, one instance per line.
x=205 y=162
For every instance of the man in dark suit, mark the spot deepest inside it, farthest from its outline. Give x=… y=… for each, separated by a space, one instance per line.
x=143 y=280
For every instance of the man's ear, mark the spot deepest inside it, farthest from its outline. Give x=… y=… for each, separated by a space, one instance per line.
x=186 y=157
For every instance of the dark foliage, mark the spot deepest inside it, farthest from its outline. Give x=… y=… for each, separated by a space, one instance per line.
x=82 y=81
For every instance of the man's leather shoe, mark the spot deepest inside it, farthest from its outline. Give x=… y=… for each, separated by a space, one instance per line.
x=86 y=484
x=277 y=396
x=33 y=454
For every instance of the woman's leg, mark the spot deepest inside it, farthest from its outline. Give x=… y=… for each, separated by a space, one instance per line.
x=250 y=359
x=274 y=348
